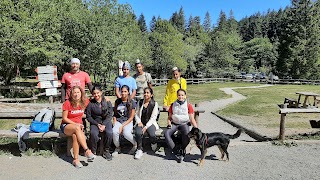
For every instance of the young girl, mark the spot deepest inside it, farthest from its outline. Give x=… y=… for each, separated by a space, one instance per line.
x=146 y=119
x=99 y=113
x=72 y=124
x=173 y=85
x=124 y=111
x=180 y=114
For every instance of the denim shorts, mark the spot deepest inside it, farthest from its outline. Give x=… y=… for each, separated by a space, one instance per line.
x=62 y=126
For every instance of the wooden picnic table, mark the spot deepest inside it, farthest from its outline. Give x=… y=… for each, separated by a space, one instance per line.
x=306 y=102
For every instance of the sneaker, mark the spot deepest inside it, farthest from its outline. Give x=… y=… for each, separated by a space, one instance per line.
x=133 y=150
x=180 y=158
x=76 y=163
x=139 y=154
x=90 y=156
x=154 y=147
x=116 y=152
x=107 y=155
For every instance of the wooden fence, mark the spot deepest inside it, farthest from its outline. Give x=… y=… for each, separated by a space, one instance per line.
x=158 y=82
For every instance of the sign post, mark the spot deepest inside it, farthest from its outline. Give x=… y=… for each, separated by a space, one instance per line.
x=48 y=79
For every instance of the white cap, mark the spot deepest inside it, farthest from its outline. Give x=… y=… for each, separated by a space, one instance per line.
x=175 y=69
x=138 y=61
x=75 y=60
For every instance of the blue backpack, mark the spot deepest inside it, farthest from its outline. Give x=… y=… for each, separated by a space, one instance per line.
x=43 y=120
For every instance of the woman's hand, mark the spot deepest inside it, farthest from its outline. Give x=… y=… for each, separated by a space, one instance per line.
x=120 y=129
x=101 y=127
x=140 y=124
x=144 y=130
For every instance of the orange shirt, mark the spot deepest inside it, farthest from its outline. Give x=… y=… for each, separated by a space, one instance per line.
x=77 y=79
x=74 y=114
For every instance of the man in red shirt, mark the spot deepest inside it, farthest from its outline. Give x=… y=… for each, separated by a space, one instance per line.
x=75 y=77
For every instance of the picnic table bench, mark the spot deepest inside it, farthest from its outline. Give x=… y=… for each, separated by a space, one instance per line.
x=284 y=111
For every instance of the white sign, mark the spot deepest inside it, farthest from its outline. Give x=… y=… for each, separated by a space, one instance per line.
x=46 y=69
x=120 y=64
x=51 y=91
x=47 y=77
x=48 y=84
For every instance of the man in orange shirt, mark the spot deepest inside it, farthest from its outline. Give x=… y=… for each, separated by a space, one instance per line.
x=75 y=77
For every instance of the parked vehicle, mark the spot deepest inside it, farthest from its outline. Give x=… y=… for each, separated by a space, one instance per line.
x=249 y=76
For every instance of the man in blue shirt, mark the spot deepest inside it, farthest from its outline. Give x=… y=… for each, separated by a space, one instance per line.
x=126 y=79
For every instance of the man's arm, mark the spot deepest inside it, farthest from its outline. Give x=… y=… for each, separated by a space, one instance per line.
x=118 y=92
x=63 y=92
x=90 y=86
x=133 y=95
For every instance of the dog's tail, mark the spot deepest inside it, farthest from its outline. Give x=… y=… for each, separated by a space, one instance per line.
x=236 y=135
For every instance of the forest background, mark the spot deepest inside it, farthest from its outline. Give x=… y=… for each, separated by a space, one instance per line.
x=101 y=32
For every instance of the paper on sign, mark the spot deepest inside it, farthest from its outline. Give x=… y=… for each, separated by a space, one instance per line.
x=51 y=91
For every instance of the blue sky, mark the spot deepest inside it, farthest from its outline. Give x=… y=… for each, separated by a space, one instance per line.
x=165 y=8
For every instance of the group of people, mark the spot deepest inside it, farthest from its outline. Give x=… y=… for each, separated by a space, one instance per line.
x=134 y=110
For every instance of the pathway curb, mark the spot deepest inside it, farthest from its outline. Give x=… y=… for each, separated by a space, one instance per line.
x=250 y=132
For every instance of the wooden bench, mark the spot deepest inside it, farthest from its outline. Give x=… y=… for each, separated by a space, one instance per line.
x=284 y=111
x=59 y=134
x=291 y=102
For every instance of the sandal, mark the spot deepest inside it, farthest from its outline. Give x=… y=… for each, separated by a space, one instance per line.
x=90 y=156
x=76 y=163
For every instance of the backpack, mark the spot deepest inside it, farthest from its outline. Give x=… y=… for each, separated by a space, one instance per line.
x=43 y=121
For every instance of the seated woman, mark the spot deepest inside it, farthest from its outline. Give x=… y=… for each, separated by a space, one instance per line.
x=124 y=111
x=99 y=113
x=72 y=125
x=146 y=119
x=180 y=114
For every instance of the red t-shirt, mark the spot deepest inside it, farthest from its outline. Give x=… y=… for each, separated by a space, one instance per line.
x=190 y=109
x=74 y=114
x=77 y=79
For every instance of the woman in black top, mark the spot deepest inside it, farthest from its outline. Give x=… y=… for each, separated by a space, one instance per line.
x=99 y=113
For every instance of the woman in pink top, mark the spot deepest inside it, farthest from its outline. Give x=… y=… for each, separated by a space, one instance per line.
x=71 y=125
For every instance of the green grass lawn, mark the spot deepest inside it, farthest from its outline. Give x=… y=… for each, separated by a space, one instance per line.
x=261 y=107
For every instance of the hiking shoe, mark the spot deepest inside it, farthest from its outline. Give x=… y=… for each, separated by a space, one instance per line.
x=133 y=150
x=90 y=156
x=154 y=147
x=116 y=152
x=139 y=154
x=107 y=155
x=76 y=163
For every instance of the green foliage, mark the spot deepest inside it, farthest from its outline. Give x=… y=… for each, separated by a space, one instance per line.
x=167 y=47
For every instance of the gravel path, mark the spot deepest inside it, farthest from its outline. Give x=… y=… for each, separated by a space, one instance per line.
x=248 y=159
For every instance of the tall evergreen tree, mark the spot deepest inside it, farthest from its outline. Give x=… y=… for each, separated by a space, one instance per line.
x=207 y=23
x=153 y=23
x=142 y=23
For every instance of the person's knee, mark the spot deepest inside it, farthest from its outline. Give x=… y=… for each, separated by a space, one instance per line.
x=138 y=132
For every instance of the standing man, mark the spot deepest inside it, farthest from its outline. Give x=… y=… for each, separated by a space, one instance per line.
x=143 y=80
x=75 y=77
x=126 y=79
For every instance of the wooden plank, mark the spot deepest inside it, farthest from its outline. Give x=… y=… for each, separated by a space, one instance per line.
x=46 y=69
x=17 y=99
x=299 y=110
x=50 y=134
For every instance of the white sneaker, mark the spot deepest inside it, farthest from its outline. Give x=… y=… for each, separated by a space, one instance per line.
x=139 y=154
x=154 y=147
x=116 y=152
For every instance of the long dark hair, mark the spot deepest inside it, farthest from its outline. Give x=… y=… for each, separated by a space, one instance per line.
x=151 y=103
x=104 y=105
x=119 y=100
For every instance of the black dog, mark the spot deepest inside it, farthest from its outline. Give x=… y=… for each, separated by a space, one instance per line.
x=206 y=140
